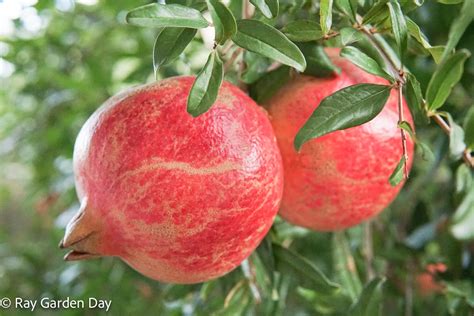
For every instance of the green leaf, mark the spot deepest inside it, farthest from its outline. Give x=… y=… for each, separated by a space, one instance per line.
x=345 y=266
x=415 y=32
x=464 y=180
x=325 y=13
x=414 y=97
x=345 y=108
x=269 y=8
x=462 y=226
x=377 y=13
x=303 y=31
x=223 y=20
x=456 y=139
x=347 y=7
x=369 y=302
x=407 y=128
x=170 y=43
x=350 y=35
x=318 y=62
x=364 y=62
x=397 y=175
x=459 y=26
x=451 y=1
x=436 y=52
x=445 y=78
x=269 y=84
x=469 y=128
x=170 y=15
x=265 y=40
x=308 y=275
x=205 y=89
x=399 y=26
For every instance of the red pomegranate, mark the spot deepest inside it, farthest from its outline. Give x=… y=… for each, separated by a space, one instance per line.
x=180 y=199
x=340 y=179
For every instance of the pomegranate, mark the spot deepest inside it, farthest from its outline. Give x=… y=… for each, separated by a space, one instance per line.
x=180 y=199
x=340 y=179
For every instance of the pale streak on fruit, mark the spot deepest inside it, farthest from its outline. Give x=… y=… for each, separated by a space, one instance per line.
x=180 y=199
x=340 y=179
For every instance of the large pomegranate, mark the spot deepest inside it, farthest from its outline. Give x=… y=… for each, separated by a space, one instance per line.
x=340 y=179
x=180 y=199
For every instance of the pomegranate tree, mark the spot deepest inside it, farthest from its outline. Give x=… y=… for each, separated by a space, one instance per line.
x=341 y=179
x=180 y=199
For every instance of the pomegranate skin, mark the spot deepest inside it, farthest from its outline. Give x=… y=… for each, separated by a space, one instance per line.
x=180 y=199
x=341 y=179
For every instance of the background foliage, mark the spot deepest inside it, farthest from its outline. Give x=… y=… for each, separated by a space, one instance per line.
x=59 y=60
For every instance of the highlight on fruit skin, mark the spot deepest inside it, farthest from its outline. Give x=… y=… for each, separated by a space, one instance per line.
x=180 y=199
x=340 y=179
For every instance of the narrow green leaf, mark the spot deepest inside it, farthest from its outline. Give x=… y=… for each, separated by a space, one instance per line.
x=399 y=26
x=463 y=218
x=397 y=175
x=369 y=302
x=350 y=35
x=436 y=52
x=265 y=87
x=347 y=7
x=416 y=33
x=377 y=13
x=456 y=139
x=445 y=78
x=264 y=39
x=459 y=26
x=364 y=62
x=450 y=1
x=407 y=128
x=303 y=31
x=223 y=20
x=170 y=43
x=289 y=263
x=345 y=266
x=269 y=8
x=318 y=62
x=325 y=13
x=170 y=15
x=469 y=128
x=205 y=89
x=414 y=97
x=348 y=107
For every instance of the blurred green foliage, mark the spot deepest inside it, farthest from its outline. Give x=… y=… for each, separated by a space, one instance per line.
x=62 y=59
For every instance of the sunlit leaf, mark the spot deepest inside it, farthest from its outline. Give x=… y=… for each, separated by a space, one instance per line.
x=325 y=13
x=397 y=175
x=264 y=39
x=170 y=15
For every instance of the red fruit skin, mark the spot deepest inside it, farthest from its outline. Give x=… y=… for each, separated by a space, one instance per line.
x=180 y=199
x=341 y=179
